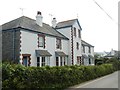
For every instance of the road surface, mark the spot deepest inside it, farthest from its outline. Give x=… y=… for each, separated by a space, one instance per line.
x=109 y=81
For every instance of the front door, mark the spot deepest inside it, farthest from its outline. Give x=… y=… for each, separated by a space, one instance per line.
x=25 y=60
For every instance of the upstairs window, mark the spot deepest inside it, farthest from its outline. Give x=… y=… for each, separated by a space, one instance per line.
x=77 y=45
x=74 y=31
x=89 y=50
x=79 y=33
x=83 y=49
x=58 y=43
x=41 y=41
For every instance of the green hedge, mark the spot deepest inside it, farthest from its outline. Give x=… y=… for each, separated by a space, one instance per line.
x=17 y=76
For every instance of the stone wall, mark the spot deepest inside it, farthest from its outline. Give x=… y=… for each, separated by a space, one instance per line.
x=11 y=45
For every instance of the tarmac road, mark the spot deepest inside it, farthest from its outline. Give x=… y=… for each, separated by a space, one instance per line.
x=109 y=81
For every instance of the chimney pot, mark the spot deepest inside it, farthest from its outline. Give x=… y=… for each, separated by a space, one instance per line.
x=38 y=13
x=54 y=22
x=39 y=18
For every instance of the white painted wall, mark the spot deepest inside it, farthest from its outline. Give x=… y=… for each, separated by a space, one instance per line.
x=76 y=39
x=92 y=51
x=86 y=61
x=30 y=43
x=67 y=32
x=50 y=46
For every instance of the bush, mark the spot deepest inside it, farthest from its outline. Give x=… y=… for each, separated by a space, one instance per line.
x=18 y=76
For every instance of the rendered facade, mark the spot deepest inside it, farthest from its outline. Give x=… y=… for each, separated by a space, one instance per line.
x=33 y=43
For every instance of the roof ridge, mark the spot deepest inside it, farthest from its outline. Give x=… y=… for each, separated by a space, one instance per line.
x=21 y=17
x=86 y=43
x=29 y=23
x=67 y=20
x=11 y=20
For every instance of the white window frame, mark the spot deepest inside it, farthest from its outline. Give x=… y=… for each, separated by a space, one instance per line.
x=48 y=61
x=43 y=63
x=41 y=40
x=38 y=62
x=58 y=43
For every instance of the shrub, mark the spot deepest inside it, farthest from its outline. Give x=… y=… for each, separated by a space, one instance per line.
x=18 y=76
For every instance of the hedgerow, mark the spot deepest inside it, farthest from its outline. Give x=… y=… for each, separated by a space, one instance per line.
x=18 y=76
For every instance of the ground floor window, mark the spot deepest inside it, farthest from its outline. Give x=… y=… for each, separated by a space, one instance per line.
x=43 y=61
x=79 y=60
x=61 y=61
x=48 y=61
x=92 y=61
x=64 y=61
x=38 y=61
x=57 y=61
x=83 y=60
x=89 y=61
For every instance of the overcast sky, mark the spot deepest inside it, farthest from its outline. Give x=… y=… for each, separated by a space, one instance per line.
x=98 y=28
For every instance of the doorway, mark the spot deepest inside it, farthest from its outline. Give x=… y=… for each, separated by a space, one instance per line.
x=26 y=59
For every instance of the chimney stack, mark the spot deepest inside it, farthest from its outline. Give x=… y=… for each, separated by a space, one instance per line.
x=39 y=18
x=54 y=22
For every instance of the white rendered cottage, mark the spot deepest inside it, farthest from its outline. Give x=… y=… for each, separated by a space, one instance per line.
x=72 y=30
x=34 y=43
x=87 y=53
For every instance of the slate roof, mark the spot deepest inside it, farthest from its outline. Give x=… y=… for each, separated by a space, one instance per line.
x=42 y=53
x=67 y=23
x=59 y=53
x=28 y=23
x=86 y=44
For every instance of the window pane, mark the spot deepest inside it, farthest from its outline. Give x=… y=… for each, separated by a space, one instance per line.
x=58 y=43
x=74 y=31
x=41 y=41
x=89 y=61
x=48 y=61
x=38 y=59
x=79 y=35
x=64 y=61
x=83 y=49
x=43 y=61
x=89 y=50
x=60 y=61
x=57 y=61
x=77 y=45
x=38 y=64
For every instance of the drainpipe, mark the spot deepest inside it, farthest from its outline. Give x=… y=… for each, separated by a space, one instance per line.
x=14 y=45
x=72 y=46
